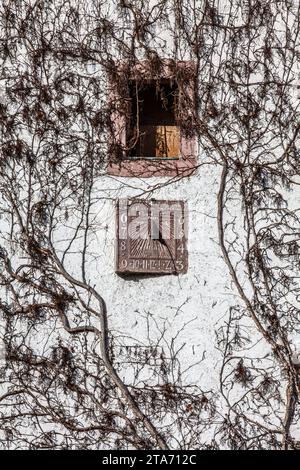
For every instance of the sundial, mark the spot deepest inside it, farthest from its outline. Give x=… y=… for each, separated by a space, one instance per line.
x=151 y=236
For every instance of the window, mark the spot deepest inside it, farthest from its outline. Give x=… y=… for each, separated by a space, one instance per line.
x=152 y=121
x=152 y=130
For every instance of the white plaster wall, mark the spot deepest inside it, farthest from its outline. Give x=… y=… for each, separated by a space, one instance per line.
x=195 y=302
x=191 y=306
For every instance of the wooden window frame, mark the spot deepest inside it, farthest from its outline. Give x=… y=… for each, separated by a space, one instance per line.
x=123 y=165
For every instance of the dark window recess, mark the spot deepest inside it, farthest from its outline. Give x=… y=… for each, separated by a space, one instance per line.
x=152 y=130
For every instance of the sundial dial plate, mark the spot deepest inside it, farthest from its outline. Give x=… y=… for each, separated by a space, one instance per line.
x=151 y=236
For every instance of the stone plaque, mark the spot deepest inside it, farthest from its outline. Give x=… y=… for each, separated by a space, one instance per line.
x=151 y=236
